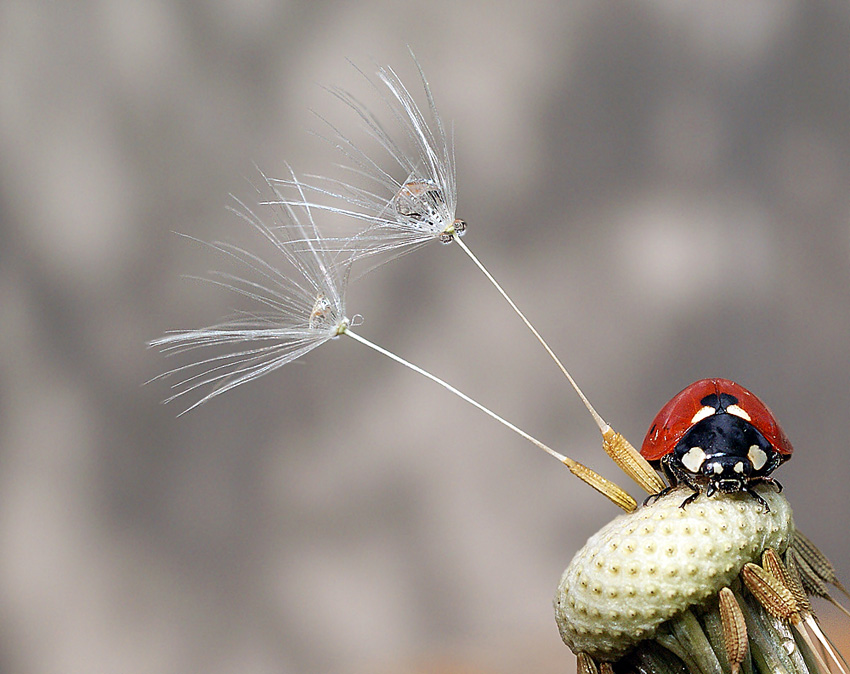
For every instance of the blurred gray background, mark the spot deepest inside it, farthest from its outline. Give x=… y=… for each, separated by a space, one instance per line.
x=662 y=186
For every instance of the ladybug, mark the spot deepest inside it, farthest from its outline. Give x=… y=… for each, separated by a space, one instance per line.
x=716 y=436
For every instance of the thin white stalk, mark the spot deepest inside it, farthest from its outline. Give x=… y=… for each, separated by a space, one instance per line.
x=598 y=419
x=605 y=487
x=398 y=359
x=825 y=643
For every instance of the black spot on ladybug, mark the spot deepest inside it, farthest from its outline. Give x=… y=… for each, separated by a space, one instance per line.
x=719 y=403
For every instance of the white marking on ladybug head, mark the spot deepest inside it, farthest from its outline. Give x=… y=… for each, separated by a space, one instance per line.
x=693 y=459
x=739 y=467
x=702 y=413
x=757 y=457
x=717 y=468
x=738 y=412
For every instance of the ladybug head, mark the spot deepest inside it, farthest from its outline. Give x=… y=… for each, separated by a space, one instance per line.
x=726 y=451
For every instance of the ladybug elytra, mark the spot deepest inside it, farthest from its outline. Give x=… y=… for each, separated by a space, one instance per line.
x=716 y=436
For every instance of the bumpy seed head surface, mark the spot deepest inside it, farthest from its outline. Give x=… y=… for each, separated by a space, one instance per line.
x=645 y=567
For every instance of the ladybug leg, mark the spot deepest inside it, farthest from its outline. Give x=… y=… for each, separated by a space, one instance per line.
x=652 y=498
x=668 y=471
x=690 y=498
x=773 y=482
x=758 y=498
x=671 y=478
x=678 y=475
x=776 y=483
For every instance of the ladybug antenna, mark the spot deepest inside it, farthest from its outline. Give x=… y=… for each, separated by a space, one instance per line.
x=614 y=444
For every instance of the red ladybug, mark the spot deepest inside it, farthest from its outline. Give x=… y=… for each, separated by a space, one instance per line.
x=716 y=435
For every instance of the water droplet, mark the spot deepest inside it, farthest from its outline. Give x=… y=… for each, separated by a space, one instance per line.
x=789 y=646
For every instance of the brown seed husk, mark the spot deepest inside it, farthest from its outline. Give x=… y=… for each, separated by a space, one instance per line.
x=789 y=576
x=816 y=560
x=771 y=563
x=585 y=664
x=813 y=584
x=603 y=486
x=631 y=461
x=734 y=629
x=770 y=592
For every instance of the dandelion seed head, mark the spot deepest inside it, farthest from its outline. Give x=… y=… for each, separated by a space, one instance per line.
x=405 y=194
x=297 y=292
x=650 y=553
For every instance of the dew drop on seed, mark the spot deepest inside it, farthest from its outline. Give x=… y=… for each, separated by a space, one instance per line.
x=789 y=646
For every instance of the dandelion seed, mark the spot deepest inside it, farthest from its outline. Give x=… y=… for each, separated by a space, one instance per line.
x=296 y=313
x=413 y=202
x=299 y=313
x=404 y=206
